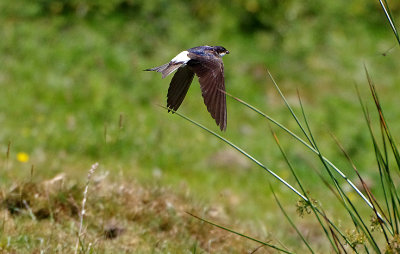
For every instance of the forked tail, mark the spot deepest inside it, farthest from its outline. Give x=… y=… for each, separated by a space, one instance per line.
x=166 y=69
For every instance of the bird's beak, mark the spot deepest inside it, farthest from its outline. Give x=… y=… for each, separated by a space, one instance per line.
x=227 y=52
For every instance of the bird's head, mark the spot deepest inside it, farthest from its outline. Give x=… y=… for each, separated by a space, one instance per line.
x=221 y=50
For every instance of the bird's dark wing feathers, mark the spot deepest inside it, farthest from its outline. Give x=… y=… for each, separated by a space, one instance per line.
x=179 y=86
x=210 y=70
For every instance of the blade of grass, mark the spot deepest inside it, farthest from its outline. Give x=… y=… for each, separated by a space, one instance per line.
x=314 y=209
x=383 y=160
x=386 y=10
x=241 y=151
x=290 y=221
x=337 y=241
x=239 y=234
x=379 y=158
x=366 y=189
x=291 y=111
x=382 y=117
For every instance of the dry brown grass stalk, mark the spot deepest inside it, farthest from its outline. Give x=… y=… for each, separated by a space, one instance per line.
x=83 y=211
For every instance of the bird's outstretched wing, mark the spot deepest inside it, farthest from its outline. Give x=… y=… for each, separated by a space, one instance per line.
x=210 y=70
x=179 y=86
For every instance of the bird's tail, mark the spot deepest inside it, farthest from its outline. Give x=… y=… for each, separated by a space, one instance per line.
x=166 y=69
x=159 y=68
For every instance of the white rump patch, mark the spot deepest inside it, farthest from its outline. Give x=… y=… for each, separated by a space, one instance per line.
x=181 y=57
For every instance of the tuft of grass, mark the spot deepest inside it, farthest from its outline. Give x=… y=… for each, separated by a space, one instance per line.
x=357 y=235
x=79 y=240
x=120 y=215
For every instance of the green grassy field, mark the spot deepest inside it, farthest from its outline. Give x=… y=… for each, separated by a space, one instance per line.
x=73 y=92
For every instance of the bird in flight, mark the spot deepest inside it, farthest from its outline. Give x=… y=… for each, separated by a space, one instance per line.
x=206 y=63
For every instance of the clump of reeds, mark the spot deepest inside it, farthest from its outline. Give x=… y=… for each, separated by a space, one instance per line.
x=379 y=232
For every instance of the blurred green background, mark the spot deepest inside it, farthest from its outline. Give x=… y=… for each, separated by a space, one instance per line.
x=73 y=90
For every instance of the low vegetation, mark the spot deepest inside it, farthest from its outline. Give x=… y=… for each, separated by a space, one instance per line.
x=73 y=93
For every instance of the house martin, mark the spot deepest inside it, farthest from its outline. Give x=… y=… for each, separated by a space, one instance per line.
x=206 y=63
